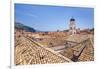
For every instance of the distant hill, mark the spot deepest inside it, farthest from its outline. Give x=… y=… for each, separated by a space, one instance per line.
x=20 y=26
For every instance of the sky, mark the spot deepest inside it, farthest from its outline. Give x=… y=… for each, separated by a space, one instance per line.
x=53 y=18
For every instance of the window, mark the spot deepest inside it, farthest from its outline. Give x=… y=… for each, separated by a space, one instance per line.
x=71 y=28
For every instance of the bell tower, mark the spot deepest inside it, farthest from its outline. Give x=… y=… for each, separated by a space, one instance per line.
x=72 y=26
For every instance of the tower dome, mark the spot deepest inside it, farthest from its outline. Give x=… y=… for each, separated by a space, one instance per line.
x=72 y=19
